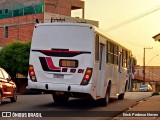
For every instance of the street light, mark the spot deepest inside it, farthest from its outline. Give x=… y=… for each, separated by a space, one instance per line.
x=144 y=67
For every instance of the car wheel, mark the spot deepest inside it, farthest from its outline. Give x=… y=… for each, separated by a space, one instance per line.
x=0 y=98
x=14 y=98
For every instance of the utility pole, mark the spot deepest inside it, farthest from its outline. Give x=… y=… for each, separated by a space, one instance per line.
x=144 y=66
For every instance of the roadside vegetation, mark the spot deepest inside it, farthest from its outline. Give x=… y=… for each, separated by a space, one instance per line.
x=155 y=93
x=14 y=58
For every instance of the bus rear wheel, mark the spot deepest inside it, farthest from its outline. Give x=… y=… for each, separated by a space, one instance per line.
x=60 y=98
x=121 y=96
x=105 y=100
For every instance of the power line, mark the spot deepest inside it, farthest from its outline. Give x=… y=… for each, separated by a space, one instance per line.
x=143 y=14
x=152 y=59
x=152 y=74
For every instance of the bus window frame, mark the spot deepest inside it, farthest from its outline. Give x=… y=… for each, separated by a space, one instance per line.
x=96 y=47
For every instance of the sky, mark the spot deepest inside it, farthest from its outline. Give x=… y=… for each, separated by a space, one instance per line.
x=132 y=23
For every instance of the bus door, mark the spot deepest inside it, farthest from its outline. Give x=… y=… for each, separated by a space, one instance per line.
x=101 y=74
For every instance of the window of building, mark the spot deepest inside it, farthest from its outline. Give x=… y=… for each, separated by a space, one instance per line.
x=6 y=31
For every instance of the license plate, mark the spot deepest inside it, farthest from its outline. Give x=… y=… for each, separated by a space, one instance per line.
x=68 y=63
x=58 y=76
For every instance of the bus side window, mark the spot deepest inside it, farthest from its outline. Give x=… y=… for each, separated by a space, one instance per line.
x=124 y=55
x=128 y=58
x=106 y=51
x=97 y=47
x=116 y=54
x=110 y=53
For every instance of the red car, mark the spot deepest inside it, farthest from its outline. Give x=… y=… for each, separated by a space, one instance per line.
x=7 y=87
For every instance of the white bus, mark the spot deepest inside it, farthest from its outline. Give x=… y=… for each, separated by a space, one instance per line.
x=77 y=60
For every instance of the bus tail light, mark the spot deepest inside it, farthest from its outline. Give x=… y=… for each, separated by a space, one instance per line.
x=32 y=73
x=87 y=76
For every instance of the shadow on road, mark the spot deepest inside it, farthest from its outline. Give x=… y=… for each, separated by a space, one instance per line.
x=80 y=104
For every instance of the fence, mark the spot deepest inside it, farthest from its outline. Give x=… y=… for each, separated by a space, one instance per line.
x=13 y=8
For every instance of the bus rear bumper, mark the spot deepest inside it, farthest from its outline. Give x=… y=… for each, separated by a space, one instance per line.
x=51 y=87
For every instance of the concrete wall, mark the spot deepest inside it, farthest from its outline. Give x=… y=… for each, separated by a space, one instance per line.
x=48 y=16
x=63 y=7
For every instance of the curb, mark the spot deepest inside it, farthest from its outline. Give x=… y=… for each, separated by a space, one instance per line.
x=129 y=108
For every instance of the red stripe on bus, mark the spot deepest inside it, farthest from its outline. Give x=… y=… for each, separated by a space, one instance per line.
x=51 y=64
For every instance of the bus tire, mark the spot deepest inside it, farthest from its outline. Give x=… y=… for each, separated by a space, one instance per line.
x=60 y=98
x=121 y=96
x=105 y=100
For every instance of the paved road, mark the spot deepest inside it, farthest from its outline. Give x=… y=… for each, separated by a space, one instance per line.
x=44 y=102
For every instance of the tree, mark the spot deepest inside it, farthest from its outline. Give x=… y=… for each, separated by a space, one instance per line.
x=14 y=58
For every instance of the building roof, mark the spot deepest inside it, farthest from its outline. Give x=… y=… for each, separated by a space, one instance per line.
x=157 y=37
x=151 y=73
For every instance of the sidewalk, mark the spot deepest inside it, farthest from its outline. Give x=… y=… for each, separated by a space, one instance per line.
x=145 y=110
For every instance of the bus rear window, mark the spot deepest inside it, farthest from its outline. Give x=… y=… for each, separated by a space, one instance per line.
x=68 y=63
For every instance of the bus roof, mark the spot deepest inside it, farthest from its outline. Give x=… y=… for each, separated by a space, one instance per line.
x=64 y=24
x=109 y=37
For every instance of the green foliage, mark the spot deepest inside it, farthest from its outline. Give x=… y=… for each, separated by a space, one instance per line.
x=15 y=58
x=155 y=93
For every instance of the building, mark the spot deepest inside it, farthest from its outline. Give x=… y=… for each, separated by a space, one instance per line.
x=18 y=17
x=152 y=77
x=157 y=38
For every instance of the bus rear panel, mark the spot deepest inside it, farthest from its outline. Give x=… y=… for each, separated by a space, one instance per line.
x=61 y=58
